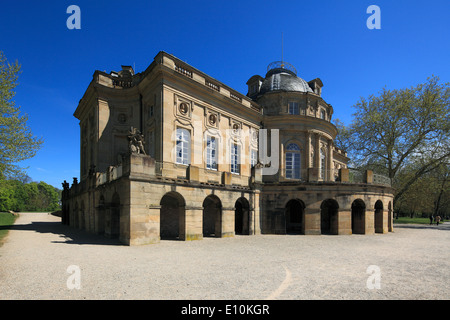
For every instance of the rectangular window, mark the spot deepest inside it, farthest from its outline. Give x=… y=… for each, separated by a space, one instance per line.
x=322 y=172
x=292 y=165
x=293 y=108
x=235 y=158
x=183 y=147
x=253 y=157
x=211 y=153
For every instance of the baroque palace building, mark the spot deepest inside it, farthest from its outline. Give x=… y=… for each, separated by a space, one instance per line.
x=171 y=153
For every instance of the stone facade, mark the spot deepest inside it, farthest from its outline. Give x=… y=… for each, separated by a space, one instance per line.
x=171 y=153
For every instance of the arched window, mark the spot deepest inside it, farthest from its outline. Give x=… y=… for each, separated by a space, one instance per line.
x=292 y=164
x=183 y=148
x=322 y=114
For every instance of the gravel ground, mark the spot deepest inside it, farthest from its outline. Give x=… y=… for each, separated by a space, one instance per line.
x=413 y=262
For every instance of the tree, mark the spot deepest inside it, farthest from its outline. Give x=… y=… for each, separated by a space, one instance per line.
x=18 y=196
x=442 y=175
x=49 y=196
x=17 y=142
x=429 y=195
x=343 y=139
x=398 y=128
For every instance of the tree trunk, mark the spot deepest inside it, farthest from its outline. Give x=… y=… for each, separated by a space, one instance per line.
x=438 y=202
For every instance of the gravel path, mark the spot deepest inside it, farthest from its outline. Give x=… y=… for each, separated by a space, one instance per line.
x=413 y=262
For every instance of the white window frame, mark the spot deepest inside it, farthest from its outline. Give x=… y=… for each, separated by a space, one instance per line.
x=211 y=153
x=292 y=166
x=253 y=157
x=323 y=163
x=293 y=108
x=183 y=146
x=235 y=166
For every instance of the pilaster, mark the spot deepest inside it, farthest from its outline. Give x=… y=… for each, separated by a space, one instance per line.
x=191 y=227
x=312 y=221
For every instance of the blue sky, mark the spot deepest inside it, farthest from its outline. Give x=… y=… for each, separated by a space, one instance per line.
x=229 y=40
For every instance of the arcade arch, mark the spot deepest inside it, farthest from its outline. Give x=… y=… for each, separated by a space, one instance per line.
x=172 y=212
x=358 y=217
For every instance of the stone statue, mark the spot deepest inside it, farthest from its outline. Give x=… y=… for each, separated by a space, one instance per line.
x=136 y=141
x=259 y=165
x=65 y=185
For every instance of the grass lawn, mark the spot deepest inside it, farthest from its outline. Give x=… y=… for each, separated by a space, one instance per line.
x=6 y=219
x=414 y=220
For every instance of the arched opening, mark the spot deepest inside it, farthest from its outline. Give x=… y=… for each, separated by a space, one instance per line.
x=241 y=216
x=114 y=230
x=329 y=217
x=379 y=216
x=295 y=211
x=390 y=218
x=82 y=216
x=66 y=215
x=212 y=217
x=358 y=217
x=75 y=219
x=101 y=215
x=172 y=212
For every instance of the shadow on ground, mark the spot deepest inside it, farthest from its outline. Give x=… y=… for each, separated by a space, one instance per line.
x=70 y=234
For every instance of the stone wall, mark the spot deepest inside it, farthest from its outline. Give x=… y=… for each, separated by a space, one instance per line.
x=140 y=206
x=274 y=200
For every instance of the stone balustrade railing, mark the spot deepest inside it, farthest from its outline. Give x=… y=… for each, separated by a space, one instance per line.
x=146 y=168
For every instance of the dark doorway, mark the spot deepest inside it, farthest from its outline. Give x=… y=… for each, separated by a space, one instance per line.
x=82 y=216
x=101 y=215
x=241 y=216
x=379 y=216
x=75 y=218
x=171 y=213
x=115 y=217
x=358 y=217
x=295 y=211
x=390 y=217
x=212 y=217
x=329 y=217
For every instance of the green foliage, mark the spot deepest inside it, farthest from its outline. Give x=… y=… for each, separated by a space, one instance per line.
x=343 y=139
x=429 y=195
x=33 y=196
x=17 y=142
x=6 y=219
x=409 y=220
x=402 y=133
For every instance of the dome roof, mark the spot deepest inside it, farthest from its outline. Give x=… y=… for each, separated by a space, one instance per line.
x=281 y=78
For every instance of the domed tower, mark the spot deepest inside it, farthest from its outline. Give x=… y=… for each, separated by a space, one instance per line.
x=296 y=108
